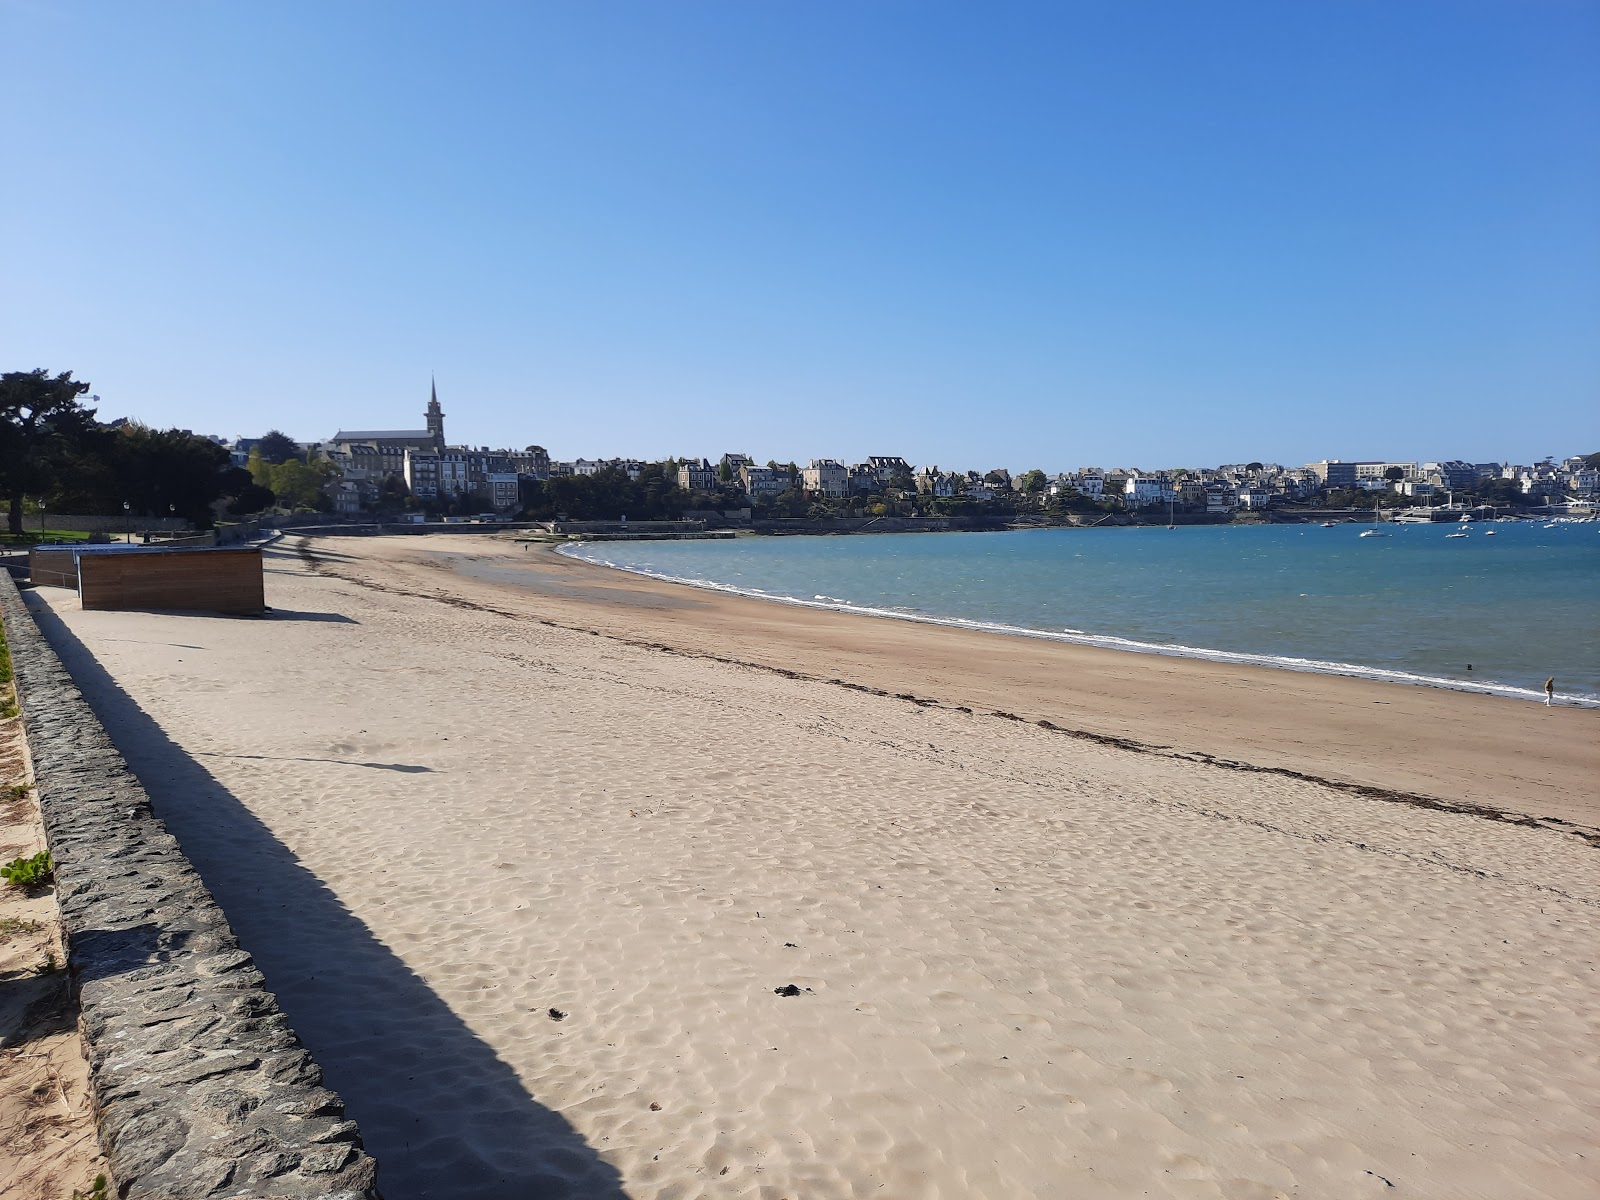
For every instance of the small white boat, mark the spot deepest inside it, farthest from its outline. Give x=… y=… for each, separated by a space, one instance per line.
x=1373 y=533
x=1327 y=524
x=1460 y=533
x=1488 y=533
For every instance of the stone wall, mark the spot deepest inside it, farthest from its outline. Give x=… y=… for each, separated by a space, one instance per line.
x=117 y=523
x=202 y=1088
x=373 y=529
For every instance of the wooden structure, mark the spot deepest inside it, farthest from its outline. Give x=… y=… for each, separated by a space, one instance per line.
x=197 y=579
x=53 y=566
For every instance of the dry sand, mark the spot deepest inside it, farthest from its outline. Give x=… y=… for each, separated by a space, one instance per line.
x=1030 y=964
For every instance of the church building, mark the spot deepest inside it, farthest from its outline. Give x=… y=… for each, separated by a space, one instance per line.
x=432 y=470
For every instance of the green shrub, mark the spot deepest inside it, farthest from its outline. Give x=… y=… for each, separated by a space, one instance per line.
x=29 y=872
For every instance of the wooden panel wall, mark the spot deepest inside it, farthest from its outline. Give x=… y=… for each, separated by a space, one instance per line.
x=53 y=568
x=227 y=581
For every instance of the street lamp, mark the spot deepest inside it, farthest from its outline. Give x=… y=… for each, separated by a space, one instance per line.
x=127 y=520
x=41 y=520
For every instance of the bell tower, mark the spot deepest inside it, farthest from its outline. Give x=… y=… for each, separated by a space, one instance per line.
x=436 y=418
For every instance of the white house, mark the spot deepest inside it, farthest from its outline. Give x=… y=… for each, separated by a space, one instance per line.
x=1139 y=491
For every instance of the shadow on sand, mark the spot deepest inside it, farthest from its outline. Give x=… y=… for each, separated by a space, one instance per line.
x=285 y=614
x=444 y=1116
x=403 y=768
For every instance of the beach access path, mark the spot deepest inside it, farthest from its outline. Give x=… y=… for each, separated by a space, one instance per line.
x=526 y=862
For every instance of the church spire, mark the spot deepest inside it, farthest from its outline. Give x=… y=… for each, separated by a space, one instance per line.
x=435 y=415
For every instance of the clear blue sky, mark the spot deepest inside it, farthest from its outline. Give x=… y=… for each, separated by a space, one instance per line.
x=973 y=234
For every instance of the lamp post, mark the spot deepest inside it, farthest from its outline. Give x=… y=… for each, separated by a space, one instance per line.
x=172 y=519
x=127 y=522
x=41 y=520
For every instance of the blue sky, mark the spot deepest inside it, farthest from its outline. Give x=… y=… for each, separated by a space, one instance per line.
x=973 y=234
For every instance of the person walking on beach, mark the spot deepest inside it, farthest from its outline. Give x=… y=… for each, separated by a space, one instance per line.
x=1549 y=691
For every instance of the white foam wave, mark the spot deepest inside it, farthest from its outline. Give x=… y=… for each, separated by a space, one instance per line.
x=1103 y=640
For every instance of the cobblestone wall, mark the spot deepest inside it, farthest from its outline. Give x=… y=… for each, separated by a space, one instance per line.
x=202 y=1088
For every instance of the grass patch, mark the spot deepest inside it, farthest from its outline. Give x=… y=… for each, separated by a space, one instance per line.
x=8 y=694
x=12 y=926
x=49 y=537
x=32 y=872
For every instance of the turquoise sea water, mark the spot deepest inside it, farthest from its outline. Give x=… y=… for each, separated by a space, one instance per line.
x=1414 y=607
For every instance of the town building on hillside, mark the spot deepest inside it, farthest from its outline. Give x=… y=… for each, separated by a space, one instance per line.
x=864 y=480
x=763 y=483
x=886 y=466
x=1191 y=492
x=1380 y=470
x=421 y=473
x=825 y=477
x=433 y=471
x=346 y=495
x=1334 y=474
x=1253 y=496
x=503 y=490
x=1090 y=481
x=391 y=444
x=1453 y=474
x=698 y=476
x=977 y=487
x=1300 y=483
x=534 y=462
x=1140 y=491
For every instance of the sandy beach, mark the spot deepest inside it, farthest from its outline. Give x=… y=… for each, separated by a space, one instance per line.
x=530 y=849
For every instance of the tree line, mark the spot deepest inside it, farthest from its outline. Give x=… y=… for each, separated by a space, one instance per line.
x=54 y=452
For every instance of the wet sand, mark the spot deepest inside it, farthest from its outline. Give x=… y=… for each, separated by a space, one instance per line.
x=1459 y=747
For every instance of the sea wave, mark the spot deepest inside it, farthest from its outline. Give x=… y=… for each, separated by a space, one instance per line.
x=1102 y=640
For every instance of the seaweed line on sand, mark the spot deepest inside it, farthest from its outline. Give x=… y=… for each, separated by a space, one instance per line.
x=1590 y=837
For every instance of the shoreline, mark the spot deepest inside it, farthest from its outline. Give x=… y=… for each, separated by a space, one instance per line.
x=1110 y=642
x=1456 y=746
